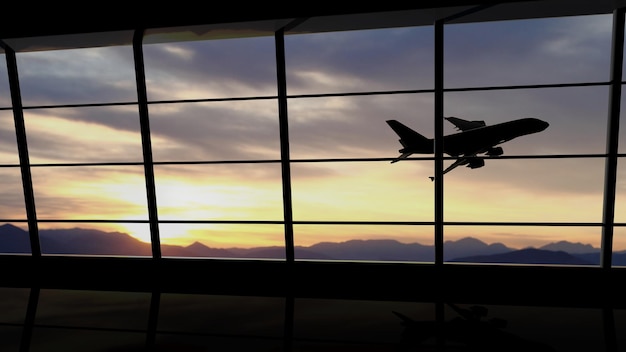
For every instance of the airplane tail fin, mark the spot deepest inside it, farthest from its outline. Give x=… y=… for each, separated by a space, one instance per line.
x=412 y=141
x=405 y=320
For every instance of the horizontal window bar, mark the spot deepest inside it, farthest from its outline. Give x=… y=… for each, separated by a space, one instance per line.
x=203 y=162
x=412 y=91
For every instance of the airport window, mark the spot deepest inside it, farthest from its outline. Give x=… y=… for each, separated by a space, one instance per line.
x=225 y=155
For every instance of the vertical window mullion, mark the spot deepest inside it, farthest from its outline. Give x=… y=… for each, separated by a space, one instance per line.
x=284 y=143
x=142 y=102
x=438 y=148
x=610 y=176
x=22 y=147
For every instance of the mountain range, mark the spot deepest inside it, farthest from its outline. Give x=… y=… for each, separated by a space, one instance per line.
x=95 y=242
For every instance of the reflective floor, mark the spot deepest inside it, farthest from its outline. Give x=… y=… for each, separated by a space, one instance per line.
x=75 y=320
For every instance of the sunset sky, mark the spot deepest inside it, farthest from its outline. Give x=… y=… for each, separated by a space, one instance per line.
x=522 y=52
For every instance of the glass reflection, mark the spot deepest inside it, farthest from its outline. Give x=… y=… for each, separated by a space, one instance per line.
x=222 y=315
x=13 y=303
x=93 y=309
x=79 y=320
x=10 y=338
x=46 y=339
x=353 y=324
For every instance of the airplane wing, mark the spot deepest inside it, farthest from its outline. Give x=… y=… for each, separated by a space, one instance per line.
x=465 y=125
x=403 y=156
x=471 y=161
x=458 y=162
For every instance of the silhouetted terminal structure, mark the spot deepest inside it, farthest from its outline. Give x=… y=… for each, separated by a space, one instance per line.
x=175 y=301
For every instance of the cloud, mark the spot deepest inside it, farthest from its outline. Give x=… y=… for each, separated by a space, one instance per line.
x=77 y=76
x=209 y=69
x=536 y=51
x=102 y=192
x=386 y=59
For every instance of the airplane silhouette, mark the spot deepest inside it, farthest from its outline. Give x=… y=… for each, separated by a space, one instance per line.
x=475 y=138
x=469 y=330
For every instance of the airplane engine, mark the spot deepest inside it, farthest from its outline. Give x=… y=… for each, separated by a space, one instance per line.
x=475 y=163
x=496 y=151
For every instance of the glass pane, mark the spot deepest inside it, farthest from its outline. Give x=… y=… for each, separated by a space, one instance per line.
x=234 y=67
x=622 y=117
x=86 y=134
x=77 y=76
x=357 y=61
x=95 y=239
x=222 y=191
x=619 y=246
x=354 y=324
x=530 y=51
x=577 y=117
x=365 y=242
x=563 y=245
x=12 y=205
x=355 y=127
x=620 y=192
x=93 y=309
x=222 y=315
x=223 y=240
x=5 y=93
x=84 y=192
x=8 y=140
x=554 y=190
x=362 y=191
x=14 y=239
x=233 y=130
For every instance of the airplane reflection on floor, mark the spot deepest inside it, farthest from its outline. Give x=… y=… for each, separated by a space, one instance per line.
x=77 y=320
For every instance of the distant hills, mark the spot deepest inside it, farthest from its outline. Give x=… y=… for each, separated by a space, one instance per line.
x=95 y=242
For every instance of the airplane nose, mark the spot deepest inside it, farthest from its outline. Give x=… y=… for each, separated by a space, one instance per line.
x=540 y=125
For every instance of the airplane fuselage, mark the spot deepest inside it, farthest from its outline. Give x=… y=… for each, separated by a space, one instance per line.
x=475 y=141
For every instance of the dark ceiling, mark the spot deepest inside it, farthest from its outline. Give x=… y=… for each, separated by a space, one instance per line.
x=26 y=20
